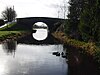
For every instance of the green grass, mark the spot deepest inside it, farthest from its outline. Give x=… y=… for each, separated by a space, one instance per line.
x=8 y=26
x=7 y=32
x=10 y=34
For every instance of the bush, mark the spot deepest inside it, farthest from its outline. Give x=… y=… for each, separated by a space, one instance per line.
x=1 y=22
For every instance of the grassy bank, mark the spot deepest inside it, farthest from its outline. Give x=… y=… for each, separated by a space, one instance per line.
x=7 y=26
x=11 y=34
x=7 y=33
x=87 y=48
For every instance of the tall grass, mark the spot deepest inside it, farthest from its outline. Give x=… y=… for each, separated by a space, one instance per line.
x=89 y=48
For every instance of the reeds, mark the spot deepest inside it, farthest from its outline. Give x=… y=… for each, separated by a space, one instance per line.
x=88 y=48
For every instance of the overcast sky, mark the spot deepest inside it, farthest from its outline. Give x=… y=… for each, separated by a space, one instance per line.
x=33 y=8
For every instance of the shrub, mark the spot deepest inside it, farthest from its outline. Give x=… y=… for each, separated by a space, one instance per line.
x=1 y=22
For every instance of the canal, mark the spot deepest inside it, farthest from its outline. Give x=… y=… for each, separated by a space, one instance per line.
x=25 y=56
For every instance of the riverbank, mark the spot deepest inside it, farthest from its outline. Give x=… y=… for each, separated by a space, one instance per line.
x=89 y=48
x=7 y=26
x=12 y=35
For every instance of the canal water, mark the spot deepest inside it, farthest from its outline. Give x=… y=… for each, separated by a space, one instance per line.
x=25 y=58
x=28 y=57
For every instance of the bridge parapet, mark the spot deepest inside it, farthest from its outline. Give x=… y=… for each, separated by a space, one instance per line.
x=28 y=23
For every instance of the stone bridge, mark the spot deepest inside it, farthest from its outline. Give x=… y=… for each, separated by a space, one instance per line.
x=27 y=23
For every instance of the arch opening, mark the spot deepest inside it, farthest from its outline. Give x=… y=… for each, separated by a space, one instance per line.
x=41 y=31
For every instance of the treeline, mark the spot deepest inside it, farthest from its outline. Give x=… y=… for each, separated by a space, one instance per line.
x=83 y=21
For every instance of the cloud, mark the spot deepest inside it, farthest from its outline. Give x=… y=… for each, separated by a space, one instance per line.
x=31 y=8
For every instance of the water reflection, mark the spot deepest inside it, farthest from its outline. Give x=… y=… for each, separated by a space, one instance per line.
x=31 y=59
x=80 y=64
x=43 y=59
x=9 y=46
x=41 y=34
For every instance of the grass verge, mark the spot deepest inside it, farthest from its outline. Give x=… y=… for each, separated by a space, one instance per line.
x=87 y=48
x=11 y=34
x=7 y=26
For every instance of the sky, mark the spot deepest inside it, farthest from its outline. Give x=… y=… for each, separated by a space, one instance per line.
x=33 y=8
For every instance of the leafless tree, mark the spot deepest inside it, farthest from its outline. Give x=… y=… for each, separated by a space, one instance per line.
x=9 y=14
x=61 y=8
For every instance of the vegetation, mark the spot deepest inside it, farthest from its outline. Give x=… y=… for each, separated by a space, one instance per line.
x=85 y=48
x=2 y=22
x=7 y=26
x=71 y=27
x=82 y=28
x=7 y=33
x=9 y=14
x=11 y=34
x=89 y=25
x=89 y=47
x=84 y=20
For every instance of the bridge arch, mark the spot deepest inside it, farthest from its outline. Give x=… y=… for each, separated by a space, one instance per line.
x=27 y=23
x=40 y=25
x=41 y=31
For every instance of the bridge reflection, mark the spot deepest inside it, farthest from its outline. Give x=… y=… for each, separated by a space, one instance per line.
x=29 y=39
x=10 y=45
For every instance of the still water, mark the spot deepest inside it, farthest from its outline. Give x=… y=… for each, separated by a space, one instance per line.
x=25 y=59
x=27 y=56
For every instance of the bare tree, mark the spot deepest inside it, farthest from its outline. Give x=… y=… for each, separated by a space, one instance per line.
x=9 y=14
x=61 y=8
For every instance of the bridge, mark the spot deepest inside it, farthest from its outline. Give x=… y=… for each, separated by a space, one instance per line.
x=28 y=22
